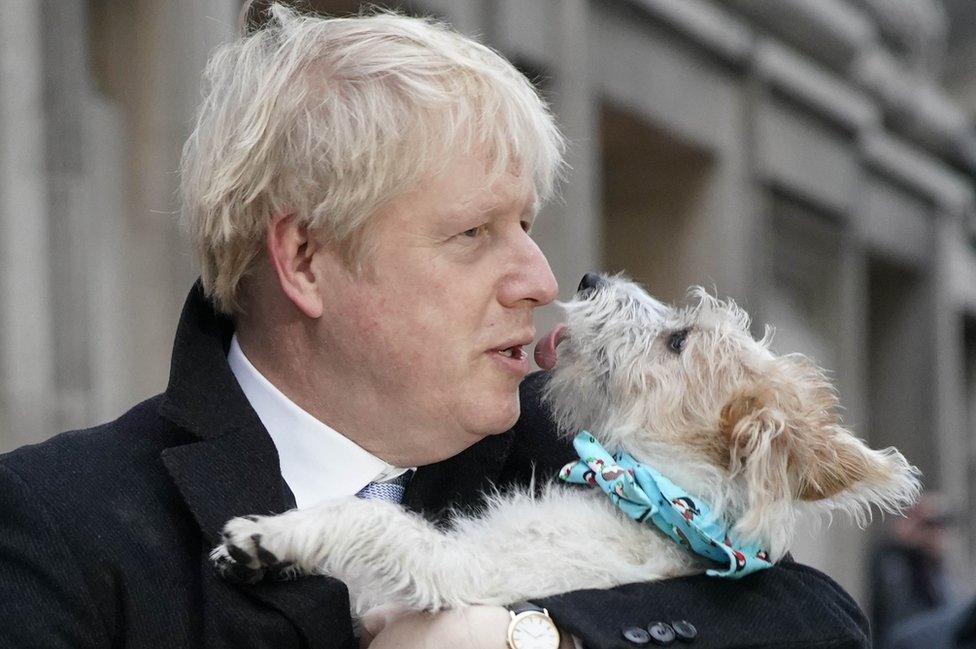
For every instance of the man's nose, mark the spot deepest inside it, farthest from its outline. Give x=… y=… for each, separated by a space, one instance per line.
x=534 y=280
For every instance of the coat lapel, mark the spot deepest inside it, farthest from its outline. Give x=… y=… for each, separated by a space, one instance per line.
x=236 y=474
x=231 y=469
x=230 y=475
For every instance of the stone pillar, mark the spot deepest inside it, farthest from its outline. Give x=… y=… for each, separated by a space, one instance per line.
x=168 y=57
x=551 y=39
x=950 y=397
x=569 y=230
x=107 y=283
x=26 y=354
x=149 y=58
x=67 y=88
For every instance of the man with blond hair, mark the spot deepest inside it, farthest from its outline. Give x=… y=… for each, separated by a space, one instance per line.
x=361 y=193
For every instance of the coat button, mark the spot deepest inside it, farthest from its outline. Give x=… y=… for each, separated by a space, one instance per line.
x=685 y=630
x=661 y=633
x=637 y=635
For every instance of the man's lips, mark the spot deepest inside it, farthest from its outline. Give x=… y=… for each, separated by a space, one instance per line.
x=521 y=340
x=545 y=349
x=513 y=349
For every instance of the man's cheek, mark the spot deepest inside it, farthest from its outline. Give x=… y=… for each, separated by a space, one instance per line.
x=370 y=325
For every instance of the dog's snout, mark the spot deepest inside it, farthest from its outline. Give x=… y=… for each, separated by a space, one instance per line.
x=590 y=281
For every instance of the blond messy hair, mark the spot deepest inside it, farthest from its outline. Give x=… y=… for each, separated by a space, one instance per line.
x=331 y=118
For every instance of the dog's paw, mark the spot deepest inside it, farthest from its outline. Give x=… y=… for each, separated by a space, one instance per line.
x=243 y=557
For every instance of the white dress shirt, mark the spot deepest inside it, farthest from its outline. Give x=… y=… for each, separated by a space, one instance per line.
x=317 y=462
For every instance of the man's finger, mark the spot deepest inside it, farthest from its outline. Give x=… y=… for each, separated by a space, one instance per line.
x=365 y=639
x=378 y=617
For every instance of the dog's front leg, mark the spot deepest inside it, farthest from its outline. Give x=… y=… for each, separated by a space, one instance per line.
x=382 y=552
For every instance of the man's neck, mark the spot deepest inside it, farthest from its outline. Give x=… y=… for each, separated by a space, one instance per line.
x=330 y=401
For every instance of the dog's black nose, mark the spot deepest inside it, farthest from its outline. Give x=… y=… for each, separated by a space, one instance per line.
x=589 y=281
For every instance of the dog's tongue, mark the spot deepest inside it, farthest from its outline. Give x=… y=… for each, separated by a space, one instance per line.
x=545 y=349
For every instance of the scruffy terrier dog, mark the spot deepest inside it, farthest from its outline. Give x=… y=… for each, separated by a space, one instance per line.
x=686 y=391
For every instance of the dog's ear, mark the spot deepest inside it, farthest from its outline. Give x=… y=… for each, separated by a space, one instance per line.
x=786 y=441
x=754 y=429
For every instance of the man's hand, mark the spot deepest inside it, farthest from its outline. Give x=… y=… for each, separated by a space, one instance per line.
x=473 y=627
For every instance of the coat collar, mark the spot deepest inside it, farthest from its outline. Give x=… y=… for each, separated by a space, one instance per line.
x=203 y=396
x=231 y=468
x=967 y=624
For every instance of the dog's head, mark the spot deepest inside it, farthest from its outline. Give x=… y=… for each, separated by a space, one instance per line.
x=691 y=392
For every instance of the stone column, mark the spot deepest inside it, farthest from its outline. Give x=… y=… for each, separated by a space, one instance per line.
x=569 y=229
x=67 y=88
x=574 y=105
x=950 y=398
x=26 y=354
x=149 y=58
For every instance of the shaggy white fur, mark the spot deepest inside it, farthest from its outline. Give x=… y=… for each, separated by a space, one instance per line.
x=686 y=390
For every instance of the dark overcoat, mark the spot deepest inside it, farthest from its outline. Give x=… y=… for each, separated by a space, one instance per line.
x=104 y=534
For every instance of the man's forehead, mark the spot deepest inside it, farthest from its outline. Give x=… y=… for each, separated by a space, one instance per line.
x=504 y=196
x=500 y=203
x=475 y=181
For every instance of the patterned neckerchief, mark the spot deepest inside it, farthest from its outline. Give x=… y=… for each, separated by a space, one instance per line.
x=648 y=497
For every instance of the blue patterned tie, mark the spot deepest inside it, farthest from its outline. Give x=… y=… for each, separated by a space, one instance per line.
x=391 y=490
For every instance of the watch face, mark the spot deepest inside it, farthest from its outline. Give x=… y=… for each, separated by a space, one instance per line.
x=534 y=631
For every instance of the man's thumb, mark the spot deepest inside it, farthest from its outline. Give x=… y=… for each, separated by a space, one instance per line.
x=377 y=618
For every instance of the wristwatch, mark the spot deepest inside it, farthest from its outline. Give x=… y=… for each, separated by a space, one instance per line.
x=531 y=628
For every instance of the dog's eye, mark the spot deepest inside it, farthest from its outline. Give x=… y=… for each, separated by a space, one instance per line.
x=676 y=341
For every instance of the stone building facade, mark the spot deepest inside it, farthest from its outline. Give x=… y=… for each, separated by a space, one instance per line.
x=800 y=156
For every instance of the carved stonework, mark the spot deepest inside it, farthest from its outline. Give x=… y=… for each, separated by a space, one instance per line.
x=915 y=30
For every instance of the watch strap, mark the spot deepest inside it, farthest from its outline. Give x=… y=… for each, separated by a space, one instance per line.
x=521 y=610
x=524 y=607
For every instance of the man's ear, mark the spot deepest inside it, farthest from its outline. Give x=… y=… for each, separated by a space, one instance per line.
x=292 y=250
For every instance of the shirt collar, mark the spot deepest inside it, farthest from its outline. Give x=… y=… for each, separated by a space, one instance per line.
x=317 y=462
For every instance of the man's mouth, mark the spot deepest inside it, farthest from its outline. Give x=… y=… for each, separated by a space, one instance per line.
x=516 y=352
x=545 y=349
x=512 y=356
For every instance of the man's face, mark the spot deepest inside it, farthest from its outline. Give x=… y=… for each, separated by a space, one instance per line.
x=432 y=341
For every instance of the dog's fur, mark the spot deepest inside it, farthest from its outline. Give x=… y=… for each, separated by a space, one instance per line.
x=755 y=435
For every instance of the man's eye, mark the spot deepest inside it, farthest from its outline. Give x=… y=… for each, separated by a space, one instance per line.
x=474 y=232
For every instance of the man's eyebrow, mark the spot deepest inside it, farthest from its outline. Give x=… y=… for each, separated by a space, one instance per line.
x=529 y=212
x=500 y=208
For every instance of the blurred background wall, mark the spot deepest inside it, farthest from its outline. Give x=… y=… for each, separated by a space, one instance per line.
x=813 y=159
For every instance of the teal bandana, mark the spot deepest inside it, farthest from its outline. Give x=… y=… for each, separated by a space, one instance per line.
x=648 y=497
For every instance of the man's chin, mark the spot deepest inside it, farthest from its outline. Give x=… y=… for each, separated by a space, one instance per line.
x=493 y=416
x=457 y=445
x=496 y=407
x=505 y=418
